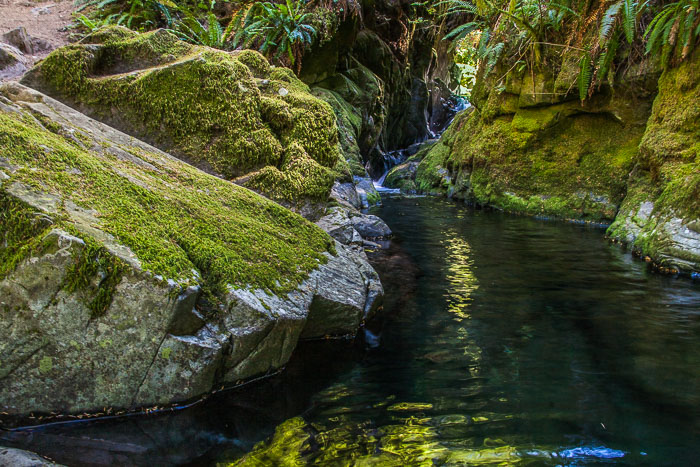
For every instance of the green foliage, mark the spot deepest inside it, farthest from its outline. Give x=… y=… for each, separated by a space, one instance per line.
x=278 y=30
x=135 y=14
x=674 y=31
x=584 y=75
x=518 y=26
x=203 y=32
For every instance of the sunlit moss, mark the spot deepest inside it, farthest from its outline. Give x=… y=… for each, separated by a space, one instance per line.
x=180 y=223
x=230 y=113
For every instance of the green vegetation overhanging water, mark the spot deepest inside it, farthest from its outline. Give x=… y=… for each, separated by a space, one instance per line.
x=504 y=339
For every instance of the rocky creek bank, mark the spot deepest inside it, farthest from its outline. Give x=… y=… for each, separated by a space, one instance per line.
x=129 y=277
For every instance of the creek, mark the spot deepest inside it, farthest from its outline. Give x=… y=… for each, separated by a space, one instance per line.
x=502 y=339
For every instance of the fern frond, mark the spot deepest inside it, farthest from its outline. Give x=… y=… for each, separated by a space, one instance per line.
x=584 y=76
x=606 y=25
x=629 y=19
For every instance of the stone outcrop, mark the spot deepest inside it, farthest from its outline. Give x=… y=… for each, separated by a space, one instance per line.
x=230 y=114
x=11 y=457
x=660 y=215
x=385 y=78
x=532 y=147
x=129 y=278
x=18 y=50
x=627 y=155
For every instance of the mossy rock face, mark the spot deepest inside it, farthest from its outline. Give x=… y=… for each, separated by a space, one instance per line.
x=230 y=114
x=547 y=160
x=531 y=147
x=660 y=216
x=128 y=277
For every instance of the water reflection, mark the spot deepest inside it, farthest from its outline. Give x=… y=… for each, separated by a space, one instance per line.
x=504 y=340
x=459 y=274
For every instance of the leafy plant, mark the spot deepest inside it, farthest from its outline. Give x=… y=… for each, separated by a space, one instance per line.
x=280 y=31
x=90 y=24
x=204 y=32
x=675 y=28
x=522 y=26
x=134 y=14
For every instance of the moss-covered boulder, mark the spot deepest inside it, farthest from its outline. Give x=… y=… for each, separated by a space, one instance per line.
x=660 y=216
x=555 y=158
x=128 y=277
x=231 y=114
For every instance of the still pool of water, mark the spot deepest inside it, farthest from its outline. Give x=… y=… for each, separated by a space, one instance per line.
x=503 y=339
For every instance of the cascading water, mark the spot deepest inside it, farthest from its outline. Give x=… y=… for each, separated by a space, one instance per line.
x=393 y=158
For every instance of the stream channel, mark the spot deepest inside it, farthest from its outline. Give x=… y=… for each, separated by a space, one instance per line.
x=503 y=339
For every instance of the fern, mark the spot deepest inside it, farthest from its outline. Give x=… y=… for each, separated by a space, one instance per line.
x=460 y=32
x=280 y=30
x=605 y=60
x=674 y=30
x=629 y=19
x=606 y=25
x=584 y=76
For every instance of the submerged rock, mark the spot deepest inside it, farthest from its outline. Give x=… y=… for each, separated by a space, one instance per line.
x=231 y=114
x=129 y=278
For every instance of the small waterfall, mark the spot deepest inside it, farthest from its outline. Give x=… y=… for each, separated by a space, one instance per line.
x=379 y=184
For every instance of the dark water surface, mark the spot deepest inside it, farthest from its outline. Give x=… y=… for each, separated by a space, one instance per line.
x=503 y=339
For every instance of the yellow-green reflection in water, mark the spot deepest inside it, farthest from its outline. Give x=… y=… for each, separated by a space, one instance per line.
x=414 y=442
x=459 y=274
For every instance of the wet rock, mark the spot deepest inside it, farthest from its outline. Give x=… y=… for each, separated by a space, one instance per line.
x=10 y=457
x=370 y=226
x=369 y=196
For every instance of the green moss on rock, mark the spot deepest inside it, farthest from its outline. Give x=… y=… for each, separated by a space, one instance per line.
x=228 y=113
x=549 y=160
x=176 y=221
x=21 y=231
x=659 y=217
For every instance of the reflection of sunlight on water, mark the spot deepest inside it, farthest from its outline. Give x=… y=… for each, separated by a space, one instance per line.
x=459 y=274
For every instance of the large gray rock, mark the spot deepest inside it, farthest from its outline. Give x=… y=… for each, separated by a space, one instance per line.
x=12 y=62
x=370 y=226
x=10 y=457
x=339 y=226
x=156 y=341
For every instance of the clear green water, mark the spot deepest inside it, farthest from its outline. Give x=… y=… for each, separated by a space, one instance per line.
x=503 y=339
